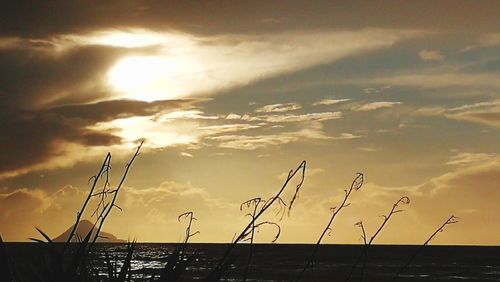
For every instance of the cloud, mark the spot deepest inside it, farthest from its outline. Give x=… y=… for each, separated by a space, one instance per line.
x=487 y=113
x=330 y=101
x=375 y=90
x=285 y=118
x=224 y=128
x=176 y=16
x=324 y=116
x=172 y=128
x=311 y=130
x=430 y=111
x=469 y=192
x=465 y=159
x=487 y=104
x=469 y=188
x=182 y=65
x=374 y=106
x=36 y=207
x=193 y=127
x=148 y=196
x=190 y=114
x=184 y=154
x=22 y=199
x=310 y=172
x=69 y=134
x=20 y=206
x=233 y=116
x=60 y=88
x=278 y=108
x=148 y=214
x=221 y=154
x=346 y=136
x=34 y=78
x=484 y=41
x=368 y=149
x=115 y=109
x=55 y=136
x=430 y=55
x=440 y=80
x=491 y=118
x=158 y=134
x=246 y=142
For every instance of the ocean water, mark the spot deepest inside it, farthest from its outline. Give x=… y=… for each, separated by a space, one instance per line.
x=283 y=262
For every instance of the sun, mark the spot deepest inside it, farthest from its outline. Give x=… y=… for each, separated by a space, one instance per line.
x=150 y=78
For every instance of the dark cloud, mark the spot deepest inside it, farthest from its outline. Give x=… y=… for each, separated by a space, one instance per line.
x=33 y=77
x=39 y=18
x=109 y=110
x=34 y=137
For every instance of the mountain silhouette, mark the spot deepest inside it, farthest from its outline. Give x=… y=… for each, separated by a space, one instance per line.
x=82 y=230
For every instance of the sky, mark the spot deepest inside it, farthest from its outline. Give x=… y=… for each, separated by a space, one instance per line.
x=229 y=96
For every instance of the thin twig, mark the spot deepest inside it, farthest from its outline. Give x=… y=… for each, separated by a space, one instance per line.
x=301 y=168
x=451 y=220
x=190 y=216
x=356 y=184
x=395 y=209
x=79 y=214
x=255 y=202
x=107 y=209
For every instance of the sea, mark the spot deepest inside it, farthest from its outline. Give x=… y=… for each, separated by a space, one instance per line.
x=284 y=262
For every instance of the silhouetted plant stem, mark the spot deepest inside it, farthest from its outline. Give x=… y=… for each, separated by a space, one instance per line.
x=364 y=254
x=191 y=217
x=363 y=231
x=250 y=236
x=104 y=193
x=357 y=183
x=265 y=207
x=256 y=203
x=365 y=243
x=108 y=207
x=451 y=220
x=105 y=166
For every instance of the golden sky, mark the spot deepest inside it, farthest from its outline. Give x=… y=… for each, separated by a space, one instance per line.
x=229 y=96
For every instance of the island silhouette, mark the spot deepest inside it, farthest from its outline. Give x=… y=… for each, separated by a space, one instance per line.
x=83 y=229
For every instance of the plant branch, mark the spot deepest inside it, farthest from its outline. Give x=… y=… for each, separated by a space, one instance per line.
x=451 y=220
x=356 y=184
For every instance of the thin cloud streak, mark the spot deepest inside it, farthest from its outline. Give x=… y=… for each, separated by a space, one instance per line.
x=487 y=113
x=374 y=106
x=328 y=102
x=279 y=108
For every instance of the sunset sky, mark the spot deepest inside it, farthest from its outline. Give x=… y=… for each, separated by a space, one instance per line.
x=229 y=96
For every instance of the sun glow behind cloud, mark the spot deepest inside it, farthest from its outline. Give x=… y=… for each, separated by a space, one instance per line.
x=183 y=65
x=128 y=39
x=158 y=134
x=149 y=78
